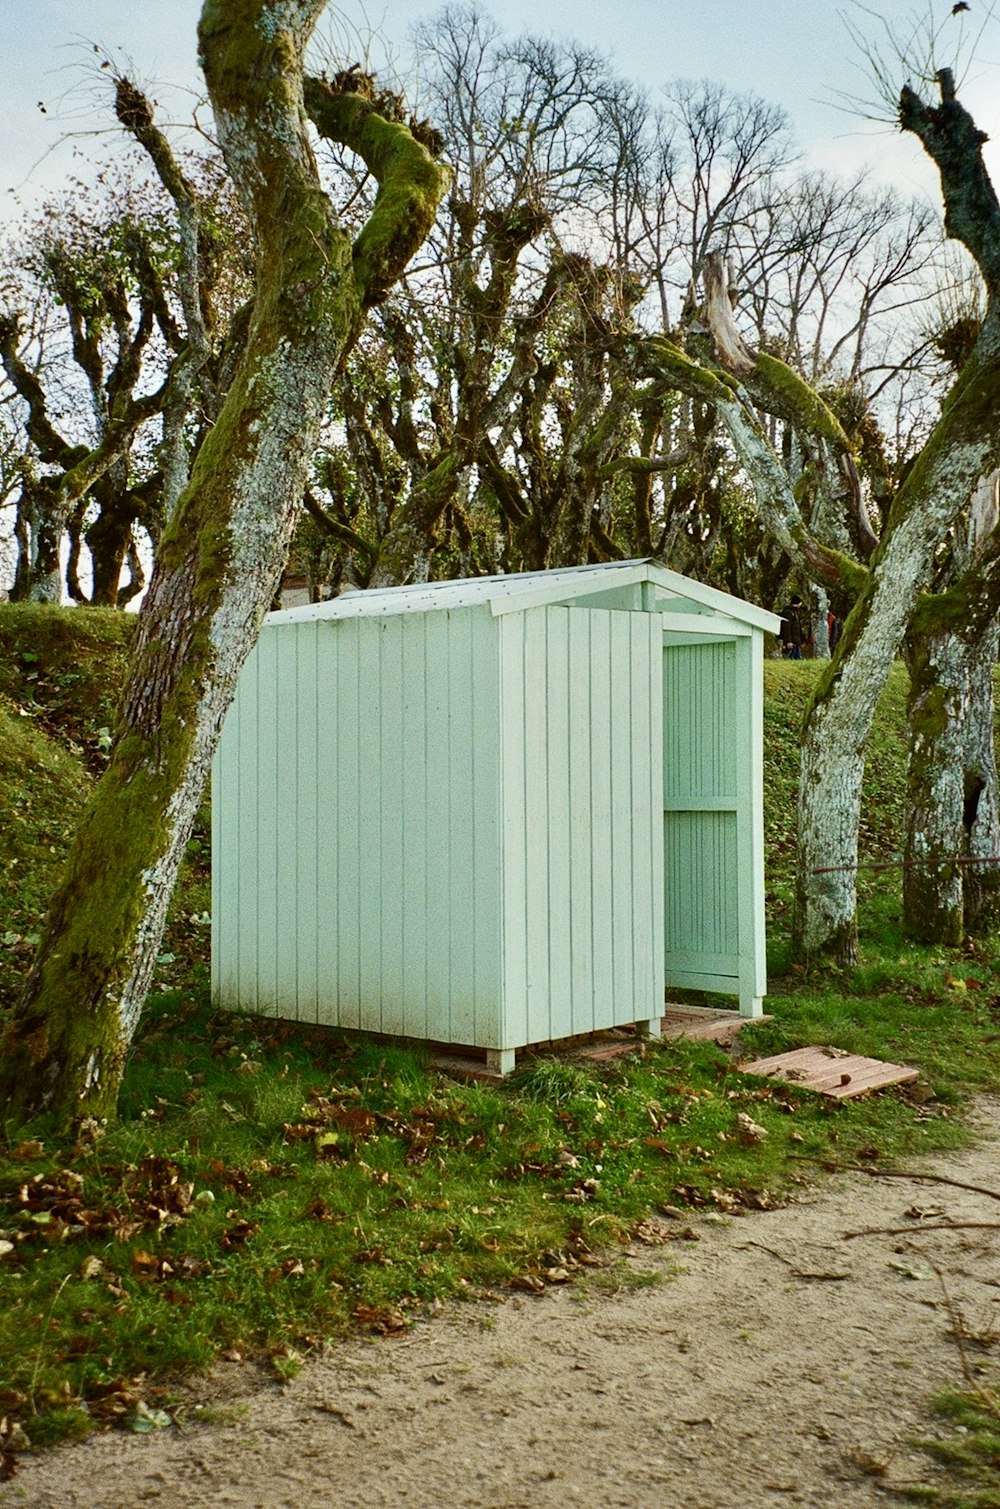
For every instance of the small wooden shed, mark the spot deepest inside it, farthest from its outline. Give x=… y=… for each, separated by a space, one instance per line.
x=494 y=812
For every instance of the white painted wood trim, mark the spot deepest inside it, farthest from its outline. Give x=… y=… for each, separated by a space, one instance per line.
x=687 y=624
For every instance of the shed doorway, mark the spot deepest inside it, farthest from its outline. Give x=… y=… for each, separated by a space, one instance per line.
x=712 y=838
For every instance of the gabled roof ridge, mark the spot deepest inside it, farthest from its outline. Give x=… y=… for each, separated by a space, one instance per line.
x=520 y=590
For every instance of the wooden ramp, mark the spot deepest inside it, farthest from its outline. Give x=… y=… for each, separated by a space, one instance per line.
x=830 y=1071
x=705 y=1022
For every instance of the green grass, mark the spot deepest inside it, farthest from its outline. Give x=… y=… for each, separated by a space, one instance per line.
x=970 y=1452
x=270 y=1185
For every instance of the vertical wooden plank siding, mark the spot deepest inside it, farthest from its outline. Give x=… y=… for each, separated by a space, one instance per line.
x=601 y=738
x=429 y=913
x=557 y=777
x=702 y=773
x=537 y=691
x=415 y=832
x=485 y=858
x=304 y=751
x=351 y=791
x=458 y=944
x=357 y=831
x=645 y=658
x=274 y=789
x=246 y=857
x=619 y=716
x=365 y=721
x=278 y=832
x=226 y=805
x=395 y=754
x=581 y=813
x=750 y=845
x=433 y=918
x=513 y=860
x=580 y=820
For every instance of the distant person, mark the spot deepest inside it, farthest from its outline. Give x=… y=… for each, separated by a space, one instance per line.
x=792 y=632
x=833 y=628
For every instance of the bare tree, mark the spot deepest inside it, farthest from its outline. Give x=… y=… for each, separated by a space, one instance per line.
x=103 y=281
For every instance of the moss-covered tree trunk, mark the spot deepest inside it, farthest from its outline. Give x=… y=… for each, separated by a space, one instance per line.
x=963 y=446
x=937 y=709
x=962 y=449
x=221 y=556
x=50 y=516
x=952 y=820
x=981 y=792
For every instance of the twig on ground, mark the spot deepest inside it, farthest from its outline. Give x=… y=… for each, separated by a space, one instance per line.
x=802 y=1273
x=915 y=1230
x=892 y=1173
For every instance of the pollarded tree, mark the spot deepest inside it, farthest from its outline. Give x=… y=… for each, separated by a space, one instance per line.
x=493 y=418
x=221 y=555
x=479 y=413
x=107 y=327
x=962 y=448
x=82 y=414
x=950 y=879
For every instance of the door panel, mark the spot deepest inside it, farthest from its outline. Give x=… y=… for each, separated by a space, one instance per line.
x=701 y=773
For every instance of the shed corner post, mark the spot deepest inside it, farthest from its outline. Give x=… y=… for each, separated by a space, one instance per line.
x=752 y=943
x=500 y=1061
x=750 y=1005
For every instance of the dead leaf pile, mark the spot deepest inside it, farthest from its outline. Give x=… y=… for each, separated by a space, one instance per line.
x=387 y=1320
x=52 y=1207
x=557 y=1267
x=336 y=1130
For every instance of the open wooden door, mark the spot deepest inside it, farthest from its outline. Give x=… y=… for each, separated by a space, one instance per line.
x=712 y=822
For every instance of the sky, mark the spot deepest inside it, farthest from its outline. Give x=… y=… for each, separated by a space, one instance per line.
x=796 y=53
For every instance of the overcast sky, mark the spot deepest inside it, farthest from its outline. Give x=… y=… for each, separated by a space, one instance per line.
x=794 y=52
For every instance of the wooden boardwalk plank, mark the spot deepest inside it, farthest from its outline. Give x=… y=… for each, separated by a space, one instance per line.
x=830 y=1071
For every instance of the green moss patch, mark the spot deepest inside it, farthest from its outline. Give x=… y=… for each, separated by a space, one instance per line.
x=42 y=791
x=66 y=668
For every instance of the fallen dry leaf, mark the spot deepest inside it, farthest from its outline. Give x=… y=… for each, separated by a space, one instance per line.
x=387 y=1320
x=654 y=1233
x=749 y=1131
x=530 y=1282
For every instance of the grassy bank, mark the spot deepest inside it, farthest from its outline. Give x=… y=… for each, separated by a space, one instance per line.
x=270 y=1186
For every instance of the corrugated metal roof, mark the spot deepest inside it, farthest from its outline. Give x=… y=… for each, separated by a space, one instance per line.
x=528 y=589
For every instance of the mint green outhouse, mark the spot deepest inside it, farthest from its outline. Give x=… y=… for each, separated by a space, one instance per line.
x=494 y=812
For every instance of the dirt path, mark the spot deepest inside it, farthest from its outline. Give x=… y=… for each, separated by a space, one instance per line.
x=780 y=1365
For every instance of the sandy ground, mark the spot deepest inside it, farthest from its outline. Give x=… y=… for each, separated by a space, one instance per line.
x=775 y=1364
